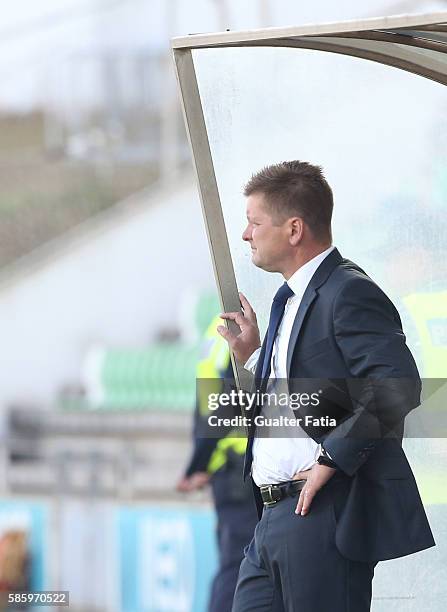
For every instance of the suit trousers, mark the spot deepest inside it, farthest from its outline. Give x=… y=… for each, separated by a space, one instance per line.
x=293 y=565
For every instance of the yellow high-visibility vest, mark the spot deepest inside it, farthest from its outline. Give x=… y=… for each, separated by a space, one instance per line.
x=220 y=454
x=214 y=360
x=429 y=314
x=214 y=353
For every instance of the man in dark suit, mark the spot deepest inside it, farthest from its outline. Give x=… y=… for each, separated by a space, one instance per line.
x=337 y=494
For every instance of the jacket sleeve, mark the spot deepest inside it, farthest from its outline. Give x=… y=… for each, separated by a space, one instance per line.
x=385 y=384
x=201 y=455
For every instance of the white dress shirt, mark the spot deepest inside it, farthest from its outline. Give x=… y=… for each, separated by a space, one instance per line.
x=278 y=459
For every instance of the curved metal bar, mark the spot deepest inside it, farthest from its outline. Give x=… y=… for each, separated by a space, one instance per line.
x=393 y=23
x=432 y=36
x=378 y=57
x=438 y=27
x=399 y=39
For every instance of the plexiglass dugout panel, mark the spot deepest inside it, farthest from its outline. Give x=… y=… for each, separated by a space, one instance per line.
x=379 y=133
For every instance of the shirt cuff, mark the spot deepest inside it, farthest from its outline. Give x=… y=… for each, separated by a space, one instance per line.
x=252 y=361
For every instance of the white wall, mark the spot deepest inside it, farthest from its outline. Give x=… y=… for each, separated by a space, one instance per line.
x=116 y=281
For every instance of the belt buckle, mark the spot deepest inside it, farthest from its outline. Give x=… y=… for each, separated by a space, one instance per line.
x=271 y=501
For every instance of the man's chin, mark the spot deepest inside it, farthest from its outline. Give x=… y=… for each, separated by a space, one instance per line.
x=261 y=265
x=256 y=261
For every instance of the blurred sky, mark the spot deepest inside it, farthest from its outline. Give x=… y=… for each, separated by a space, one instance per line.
x=34 y=34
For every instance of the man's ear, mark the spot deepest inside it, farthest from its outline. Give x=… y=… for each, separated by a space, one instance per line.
x=296 y=230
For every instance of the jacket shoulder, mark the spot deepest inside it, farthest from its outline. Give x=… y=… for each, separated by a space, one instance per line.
x=349 y=283
x=351 y=277
x=348 y=271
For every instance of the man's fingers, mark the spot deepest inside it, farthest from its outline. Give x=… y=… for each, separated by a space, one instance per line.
x=309 y=494
x=199 y=480
x=237 y=317
x=300 y=503
x=248 y=310
x=184 y=485
x=230 y=316
x=305 y=501
x=226 y=334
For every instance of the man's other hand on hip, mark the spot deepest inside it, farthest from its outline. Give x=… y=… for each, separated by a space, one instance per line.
x=316 y=478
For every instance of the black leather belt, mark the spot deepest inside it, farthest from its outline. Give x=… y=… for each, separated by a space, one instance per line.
x=272 y=494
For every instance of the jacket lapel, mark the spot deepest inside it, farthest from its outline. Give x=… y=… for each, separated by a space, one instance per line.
x=309 y=297
x=321 y=275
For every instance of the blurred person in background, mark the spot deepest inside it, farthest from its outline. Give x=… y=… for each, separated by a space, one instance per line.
x=218 y=461
x=415 y=256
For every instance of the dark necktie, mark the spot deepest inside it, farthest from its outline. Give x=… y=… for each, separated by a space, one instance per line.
x=276 y=314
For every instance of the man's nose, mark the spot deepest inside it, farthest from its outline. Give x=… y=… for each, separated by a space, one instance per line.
x=247 y=234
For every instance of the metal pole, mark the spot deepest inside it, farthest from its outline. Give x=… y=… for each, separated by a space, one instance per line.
x=209 y=194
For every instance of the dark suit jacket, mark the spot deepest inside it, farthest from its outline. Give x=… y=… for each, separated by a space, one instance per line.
x=347 y=341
